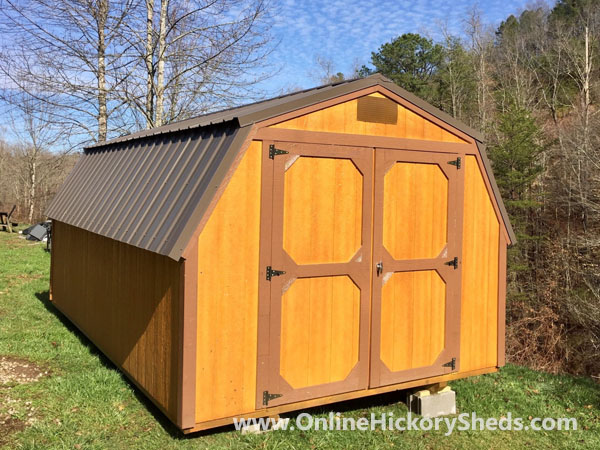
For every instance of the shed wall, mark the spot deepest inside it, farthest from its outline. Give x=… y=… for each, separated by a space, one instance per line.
x=126 y=301
x=480 y=258
x=480 y=274
x=228 y=271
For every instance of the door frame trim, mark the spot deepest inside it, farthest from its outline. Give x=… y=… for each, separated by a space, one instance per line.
x=268 y=357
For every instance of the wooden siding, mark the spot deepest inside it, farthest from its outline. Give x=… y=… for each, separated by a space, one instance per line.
x=126 y=301
x=320 y=322
x=342 y=118
x=413 y=312
x=415 y=211
x=326 y=400
x=322 y=211
x=228 y=296
x=479 y=310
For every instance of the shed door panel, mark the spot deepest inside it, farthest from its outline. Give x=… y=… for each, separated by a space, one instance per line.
x=318 y=310
x=416 y=292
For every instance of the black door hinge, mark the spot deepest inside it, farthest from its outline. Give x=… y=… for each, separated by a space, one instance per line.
x=451 y=364
x=273 y=273
x=455 y=162
x=268 y=397
x=275 y=151
x=453 y=262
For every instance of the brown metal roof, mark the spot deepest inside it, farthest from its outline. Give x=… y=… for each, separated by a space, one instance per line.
x=144 y=192
x=151 y=188
x=256 y=112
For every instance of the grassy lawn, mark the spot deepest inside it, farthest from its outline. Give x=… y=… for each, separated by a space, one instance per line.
x=70 y=396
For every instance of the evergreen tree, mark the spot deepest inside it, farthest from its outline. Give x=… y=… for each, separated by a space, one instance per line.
x=412 y=62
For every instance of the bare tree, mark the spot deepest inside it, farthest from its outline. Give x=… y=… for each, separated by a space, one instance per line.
x=457 y=77
x=481 y=41
x=191 y=57
x=325 y=72
x=32 y=164
x=106 y=67
x=64 y=55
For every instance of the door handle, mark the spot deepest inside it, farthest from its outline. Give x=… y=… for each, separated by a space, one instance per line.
x=379 y=268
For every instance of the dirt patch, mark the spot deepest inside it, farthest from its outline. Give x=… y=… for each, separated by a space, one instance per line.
x=9 y=425
x=19 y=371
x=16 y=414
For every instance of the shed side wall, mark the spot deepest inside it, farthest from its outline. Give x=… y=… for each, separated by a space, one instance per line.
x=480 y=271
x=126 y=301
x=228 y=271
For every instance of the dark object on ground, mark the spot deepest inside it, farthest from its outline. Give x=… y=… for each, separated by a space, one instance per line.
x=26 y=231
x=5 y=222
x=39 y=231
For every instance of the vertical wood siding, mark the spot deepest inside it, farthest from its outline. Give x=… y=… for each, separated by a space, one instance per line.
x=479 y=310
x=126 y=300
x=228 y=296
x=342 y=118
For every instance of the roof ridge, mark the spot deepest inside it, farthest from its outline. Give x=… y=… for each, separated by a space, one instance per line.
x=172 y=126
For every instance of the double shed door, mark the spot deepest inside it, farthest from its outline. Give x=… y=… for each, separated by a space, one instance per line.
x=359 y=286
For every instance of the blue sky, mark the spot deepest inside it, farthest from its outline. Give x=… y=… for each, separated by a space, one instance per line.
x=346 y=31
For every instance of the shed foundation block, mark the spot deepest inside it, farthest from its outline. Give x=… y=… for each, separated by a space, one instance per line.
x=432 y=402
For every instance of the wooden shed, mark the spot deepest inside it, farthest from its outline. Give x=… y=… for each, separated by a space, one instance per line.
x=329 y=244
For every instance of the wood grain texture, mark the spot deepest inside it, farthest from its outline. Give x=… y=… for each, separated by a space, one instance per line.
x=228 y=249
x=320 y=321
x=322 y=210
x=342 y=118
x=479 y=322
x=273 y=411
x=415 y=211
x=413 y=312
x=126 y=300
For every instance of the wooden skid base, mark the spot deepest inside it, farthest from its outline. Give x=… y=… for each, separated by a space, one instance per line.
x=275 y=411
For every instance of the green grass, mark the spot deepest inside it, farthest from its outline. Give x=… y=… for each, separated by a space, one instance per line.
x=86 y=403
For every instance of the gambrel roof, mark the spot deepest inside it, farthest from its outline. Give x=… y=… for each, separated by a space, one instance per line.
x=150 y=189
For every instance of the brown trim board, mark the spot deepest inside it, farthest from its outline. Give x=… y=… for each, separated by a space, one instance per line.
x=274 y=411
x=385 y=159
x=357 y=269
x=332 y=101
x=359 y=140
x=264 y=286
x=501 y=300
x=188 y=331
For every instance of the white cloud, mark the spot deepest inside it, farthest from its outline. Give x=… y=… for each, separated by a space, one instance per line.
x=347 y=30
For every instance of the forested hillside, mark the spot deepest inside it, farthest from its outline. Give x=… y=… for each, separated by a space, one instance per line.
x=532 y=87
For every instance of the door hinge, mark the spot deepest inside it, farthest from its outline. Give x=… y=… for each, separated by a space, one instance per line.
x=273 y=273
x=455 y=162
x=268 y=397
x=275 y=151
x=453 y=262
x=451 y=364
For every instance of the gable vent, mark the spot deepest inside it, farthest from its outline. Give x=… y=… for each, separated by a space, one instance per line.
x=377 y=110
